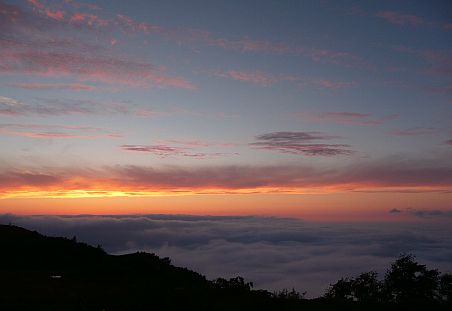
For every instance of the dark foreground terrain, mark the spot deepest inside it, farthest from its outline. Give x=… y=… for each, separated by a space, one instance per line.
x=50 y=273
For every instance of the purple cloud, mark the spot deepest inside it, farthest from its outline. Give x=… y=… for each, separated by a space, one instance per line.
x=300 y=143
x=164 y=151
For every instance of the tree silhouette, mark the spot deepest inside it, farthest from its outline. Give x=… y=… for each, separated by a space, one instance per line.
x=445 y=288
x=234 y=284
x=341 y=290
x=290 y=295
x=408 y=281
x=365 y=288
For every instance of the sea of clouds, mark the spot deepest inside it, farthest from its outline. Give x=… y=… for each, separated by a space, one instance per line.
x=274 y=253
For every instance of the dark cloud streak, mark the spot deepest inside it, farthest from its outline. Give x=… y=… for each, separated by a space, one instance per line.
x=303 y=143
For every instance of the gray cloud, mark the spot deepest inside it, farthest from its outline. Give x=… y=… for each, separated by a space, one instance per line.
x=424 y=213
x=305 y=143
x=54 y=107
x=430 y=213
x=274 y=253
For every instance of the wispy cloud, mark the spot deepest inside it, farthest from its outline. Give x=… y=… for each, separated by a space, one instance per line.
x=45 y=131
x=411 y=20
x=430 y=213
x=441 y=89
x=304 y=143
x=439 y=61
x=401 y=18
x=66 y=106
x=332 y=85
x=415 y=131
x=425 y=213
x=267 y=79
x=128 y=25
x=346 y=117
x=54 y=86
x=256 y=77
x=10 y=107
x=165 y=151
x=35 y=50
x=198 y=143
x=52 y=106
x=107 y=69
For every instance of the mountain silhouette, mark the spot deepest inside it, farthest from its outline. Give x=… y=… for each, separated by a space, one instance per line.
x=54 y=273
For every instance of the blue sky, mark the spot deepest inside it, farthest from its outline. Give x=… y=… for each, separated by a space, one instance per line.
x=90 y=89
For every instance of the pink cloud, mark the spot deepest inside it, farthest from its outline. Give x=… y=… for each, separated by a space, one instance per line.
x=439 y=61
x=79 y=5
x=333 y=85
x=56 y=135
x=267 y=79
x=77 y=17
x=44 y=131
x=164 y=151
x=88 y=19
x=148 y=113
x=401 y=19
x=447 y=26
x=54 y=86
x=29 y=52
x=199 y=37
x=199 y=143
x=344 y=117
x=415 y=131
x=442 y=57
x=93 y=67
x=256 y=77
x=58 y=15
x=36 y=4
x=158 y=150
x=441 y=90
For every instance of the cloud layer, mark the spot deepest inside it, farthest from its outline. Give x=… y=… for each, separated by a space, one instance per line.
x=129 y=180
x=274 y=253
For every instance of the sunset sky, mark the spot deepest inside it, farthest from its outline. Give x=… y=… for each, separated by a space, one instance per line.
x=321 y=110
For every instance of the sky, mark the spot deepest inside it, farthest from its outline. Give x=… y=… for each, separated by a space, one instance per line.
x=320 y=110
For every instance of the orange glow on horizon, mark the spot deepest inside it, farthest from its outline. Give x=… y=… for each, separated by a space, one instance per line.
x=99 y=192
x=328 y=207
